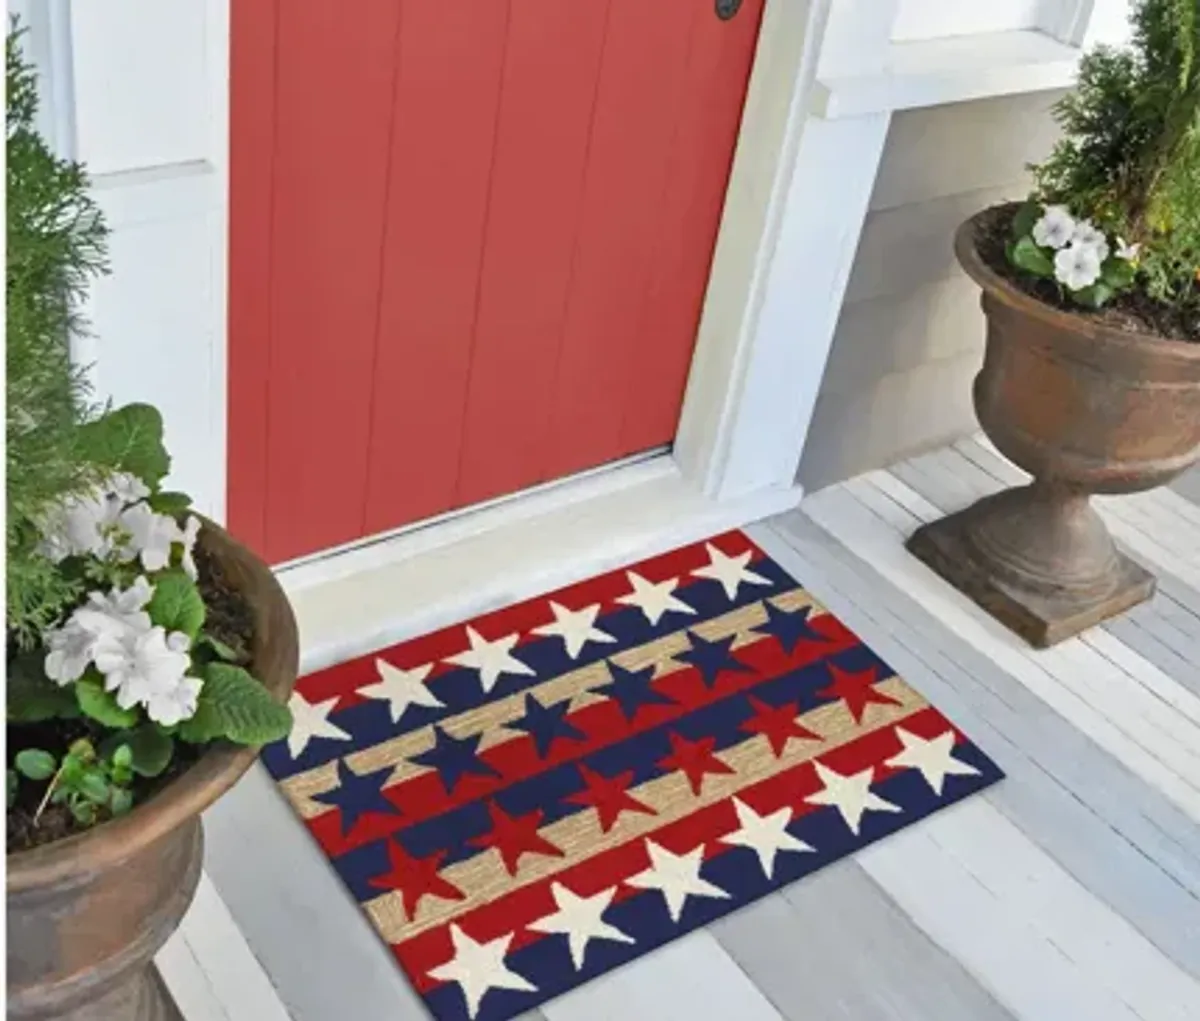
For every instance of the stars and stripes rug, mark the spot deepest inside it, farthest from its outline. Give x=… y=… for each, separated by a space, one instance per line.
x=527 y=800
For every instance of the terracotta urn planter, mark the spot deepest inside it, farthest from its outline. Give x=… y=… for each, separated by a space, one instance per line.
x=87 y=914
x=1085 y=409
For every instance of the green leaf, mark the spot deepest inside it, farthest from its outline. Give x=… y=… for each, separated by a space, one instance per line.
x=232 y=704
x=177 y=604
x=121 y=801
x=1118 y=273
x=32 y=698
x=129 y=439
x=123 y=756
x=168 y=502
x=1028 y=255
x=1029 y=214
x=36 y=764
x=150 y=749
x=102 y=707
x=94 y=786
x=222 y=650
x=1095 y=296
x=84 y=812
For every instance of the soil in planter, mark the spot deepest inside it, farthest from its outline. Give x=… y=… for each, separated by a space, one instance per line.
x=1133 y=312
x=229 y=619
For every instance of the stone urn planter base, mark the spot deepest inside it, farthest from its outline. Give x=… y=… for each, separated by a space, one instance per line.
x=1029 y=598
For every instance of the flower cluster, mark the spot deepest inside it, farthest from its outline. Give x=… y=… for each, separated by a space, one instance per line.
x=114 y=521
x=1050 y=243
x=140 y=662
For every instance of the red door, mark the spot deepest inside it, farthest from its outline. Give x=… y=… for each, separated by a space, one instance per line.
x=469 y=241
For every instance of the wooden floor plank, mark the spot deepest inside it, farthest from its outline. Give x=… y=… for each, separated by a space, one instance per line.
x=836 y=947
x=1132 y=736
x=685 y=980
x=1188 y=486
x=1116 y=835
x=1042 y=943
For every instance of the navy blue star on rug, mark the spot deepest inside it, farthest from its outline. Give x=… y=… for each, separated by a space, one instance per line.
x=454 y=758
x=789 y=627
x=631 y=689
x=544 y=723
x=710 y=658
x=357 y=795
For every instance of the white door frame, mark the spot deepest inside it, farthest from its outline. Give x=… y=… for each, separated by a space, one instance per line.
x=800 y=185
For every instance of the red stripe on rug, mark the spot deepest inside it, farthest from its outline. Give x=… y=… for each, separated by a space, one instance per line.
x=513 y=911
x=424 y=796
x=343 y=681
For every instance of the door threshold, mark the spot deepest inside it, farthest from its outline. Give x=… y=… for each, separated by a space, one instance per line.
x=367 y=597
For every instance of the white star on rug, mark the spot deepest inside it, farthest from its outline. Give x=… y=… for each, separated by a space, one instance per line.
x=401 y=688
x=654 y=598
x=851 y=795
x=934 y=758
x=676 y=876
x=581 y=920
x=309 y=721
x=731 y=572
x=478 y=967
x=766 y=835
x=491 y=659
x=575 y=627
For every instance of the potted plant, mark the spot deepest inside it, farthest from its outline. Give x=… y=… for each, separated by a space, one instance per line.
x=147 y=651
x=1091 y=375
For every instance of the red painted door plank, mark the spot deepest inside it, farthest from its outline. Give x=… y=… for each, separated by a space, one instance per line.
x=447 y=95
x=719 y=62
x=251 y=123
x=334 y=97
x=549 y=90
x=641 y=90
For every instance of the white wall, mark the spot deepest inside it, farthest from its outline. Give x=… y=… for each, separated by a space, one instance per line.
x=910 y=334
x=136 y=90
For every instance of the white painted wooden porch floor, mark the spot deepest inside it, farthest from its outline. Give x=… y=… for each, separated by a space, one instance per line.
x=1069 y=892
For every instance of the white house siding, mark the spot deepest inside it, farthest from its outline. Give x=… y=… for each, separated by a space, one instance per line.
x=910 y=334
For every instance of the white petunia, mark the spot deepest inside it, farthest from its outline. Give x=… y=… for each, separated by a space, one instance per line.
x=176 y=704
x=1055 y=228
x=1077 y=266
x=70 y=652
x=1087 y=233
x=150 y=536
x=126 y=489
x=146 y=669
x=78 y=526
x=99 y=627
x=1126 y=251
x=187 y=536
x=85 y=524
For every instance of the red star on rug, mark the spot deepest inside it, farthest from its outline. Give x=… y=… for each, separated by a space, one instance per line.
x=513 y=837
x=857 y=690
x=609 y=796
x=695 y=759
x=415 y=878
x=778 y=724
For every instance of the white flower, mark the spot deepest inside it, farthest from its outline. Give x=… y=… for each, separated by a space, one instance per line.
x=1077 y=266
x=150 y=536
x=149 y=669
x=84 y=524
x=1126 y=251
x=187 y=536
x=1055 y=228
x=78 y=526
x=1087 y=233
x=126 y=489
x=70 y=652
x=176 y=704
x=97 y=628
x=119 y=612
